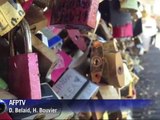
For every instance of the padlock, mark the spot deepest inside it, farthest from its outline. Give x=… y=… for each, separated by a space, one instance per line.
x=47 y=92
x=24 y=79
x=9 y=16
x=88 y=92
x=70 y=84
x=129 y=6
x=97 y=62
x=45 y=54
x=75 y=14
x=110 y=46
x=36 y=19
x=55 y=42
x=64 y=61
x=103 y=30
x=77 y=39
x=123 y=31
x=113 y=72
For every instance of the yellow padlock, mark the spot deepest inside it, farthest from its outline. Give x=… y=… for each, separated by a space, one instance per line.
x=9 y=16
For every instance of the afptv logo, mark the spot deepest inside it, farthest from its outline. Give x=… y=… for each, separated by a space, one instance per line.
x=3 y=106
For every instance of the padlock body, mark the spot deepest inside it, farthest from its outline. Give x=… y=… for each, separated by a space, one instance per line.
x=123 y=31
x=75 y=13
x=24 y=79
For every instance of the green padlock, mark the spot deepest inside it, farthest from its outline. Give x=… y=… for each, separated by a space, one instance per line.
x=3 y=84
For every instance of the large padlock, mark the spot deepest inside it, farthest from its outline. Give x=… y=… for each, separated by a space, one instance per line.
x=75 y=13
x=24 y=79
x=10 y=16
x=113 y=72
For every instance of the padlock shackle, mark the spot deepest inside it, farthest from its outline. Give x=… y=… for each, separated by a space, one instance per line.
x=25 y=30
x=27 y=36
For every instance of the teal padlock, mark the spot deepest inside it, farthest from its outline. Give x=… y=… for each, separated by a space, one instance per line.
x=3 y=84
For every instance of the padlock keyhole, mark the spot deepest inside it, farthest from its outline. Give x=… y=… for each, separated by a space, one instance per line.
x=76 y=37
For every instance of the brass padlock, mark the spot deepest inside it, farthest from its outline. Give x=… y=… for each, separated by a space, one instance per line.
x=97 y=62
x=114 y=72
x=110 y=46
x=9 y=16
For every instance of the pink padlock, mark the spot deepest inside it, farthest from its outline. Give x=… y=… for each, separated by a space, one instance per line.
x=24 y=79
x=123 y=31
x=77 y=39
x=64 y=62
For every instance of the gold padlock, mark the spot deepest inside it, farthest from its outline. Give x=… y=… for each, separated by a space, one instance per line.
x=9 y=16
x=110 y=46
x=114 y=72
x=97 y=62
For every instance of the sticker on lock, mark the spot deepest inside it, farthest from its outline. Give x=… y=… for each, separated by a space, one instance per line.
x=10 y=17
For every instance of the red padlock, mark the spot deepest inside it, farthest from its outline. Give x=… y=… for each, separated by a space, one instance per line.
x=123 y=31
x=24 y=81
x=75 y=13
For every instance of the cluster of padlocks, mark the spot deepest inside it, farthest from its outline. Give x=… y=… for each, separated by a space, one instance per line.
x=70 y=49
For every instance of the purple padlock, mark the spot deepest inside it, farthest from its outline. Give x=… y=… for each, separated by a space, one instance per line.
x=24 y=81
